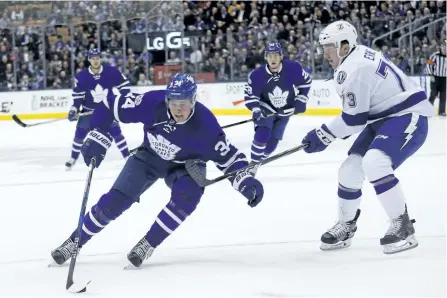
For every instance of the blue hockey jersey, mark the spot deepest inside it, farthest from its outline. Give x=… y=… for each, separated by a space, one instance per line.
x=200 y=137
x=91 y=88
x=277 y=92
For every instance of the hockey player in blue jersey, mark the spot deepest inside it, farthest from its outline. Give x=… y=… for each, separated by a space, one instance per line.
x=390 y=111
x=280 y=87
x=91 y=87
x=176 y=129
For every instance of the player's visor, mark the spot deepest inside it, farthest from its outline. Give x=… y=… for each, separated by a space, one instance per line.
x=181 y=104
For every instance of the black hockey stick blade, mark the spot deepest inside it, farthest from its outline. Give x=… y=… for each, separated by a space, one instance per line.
x=71 y=286
x=194 y=171
x=22 y=124
x=78 y=287
x=18 y=121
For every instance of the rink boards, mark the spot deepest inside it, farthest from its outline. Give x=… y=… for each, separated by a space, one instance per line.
x=221 y=98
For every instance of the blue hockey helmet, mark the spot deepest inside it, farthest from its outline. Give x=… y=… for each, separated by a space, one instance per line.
x=93 y=53
x=182 y=87
x=273 y=47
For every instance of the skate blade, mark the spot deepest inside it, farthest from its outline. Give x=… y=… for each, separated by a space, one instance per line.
x=409 y=243
x=338 y=245
x=130 y=266
x=55 y=265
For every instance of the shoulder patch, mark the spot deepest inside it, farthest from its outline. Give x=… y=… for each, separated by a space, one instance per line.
x=341 y=77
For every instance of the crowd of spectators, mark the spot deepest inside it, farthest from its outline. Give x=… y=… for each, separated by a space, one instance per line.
x=228 y=38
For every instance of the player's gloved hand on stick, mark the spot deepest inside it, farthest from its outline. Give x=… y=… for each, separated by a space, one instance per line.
x=95 y=145
x=318 y=139
x=249 y=187
x=257 y=114
x=300 y=104
x=73 y=114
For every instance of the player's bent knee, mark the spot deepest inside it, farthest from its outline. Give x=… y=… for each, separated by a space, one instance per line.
x=377 y=164
x=262 y=134
x=111 y=205
x=186 y=194
x=350 y=174
x=271 y=145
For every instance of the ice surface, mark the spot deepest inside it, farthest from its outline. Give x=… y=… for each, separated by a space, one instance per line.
x=226 y=249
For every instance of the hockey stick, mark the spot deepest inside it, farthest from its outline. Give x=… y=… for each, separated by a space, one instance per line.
x=243 y=122
x=251 y=120
x=223 y=127
x=71 y=286
x=22 y=124
x=194 y=170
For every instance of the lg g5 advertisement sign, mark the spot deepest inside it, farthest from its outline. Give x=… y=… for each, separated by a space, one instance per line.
x=172 y=40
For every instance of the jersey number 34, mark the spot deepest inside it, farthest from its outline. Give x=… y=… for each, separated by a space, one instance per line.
x=132 y=101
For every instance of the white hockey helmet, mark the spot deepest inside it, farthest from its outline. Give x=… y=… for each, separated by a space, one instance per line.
x=337 y=32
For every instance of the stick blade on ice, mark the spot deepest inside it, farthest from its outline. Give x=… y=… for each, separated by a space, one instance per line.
x=78 y=287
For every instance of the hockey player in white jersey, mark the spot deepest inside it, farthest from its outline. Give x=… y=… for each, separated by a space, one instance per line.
x=390 y=111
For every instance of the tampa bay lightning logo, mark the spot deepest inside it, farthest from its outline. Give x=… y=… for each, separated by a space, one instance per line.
x=341 y=77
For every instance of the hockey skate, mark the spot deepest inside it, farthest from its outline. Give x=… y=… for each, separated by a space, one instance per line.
x=64 y=252
x=340 y=235
x=69 y=164
x=400 y=235
x=140 y=252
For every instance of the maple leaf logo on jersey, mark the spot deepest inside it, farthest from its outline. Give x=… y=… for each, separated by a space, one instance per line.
x=163 y=147
x=99 y=94
x=278 y=98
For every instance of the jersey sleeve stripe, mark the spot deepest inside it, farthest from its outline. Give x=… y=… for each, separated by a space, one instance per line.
x=251 y=96
x=230 y=161
x=251 y=100
x=304 y=86
x=412 y=100
x=115 y=108
x=122 y=84
x=243 y=162
x=78 y=93
x=355 y=120
x=302 y=98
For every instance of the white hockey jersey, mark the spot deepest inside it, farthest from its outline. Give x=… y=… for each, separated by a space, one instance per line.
x=372 y=88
